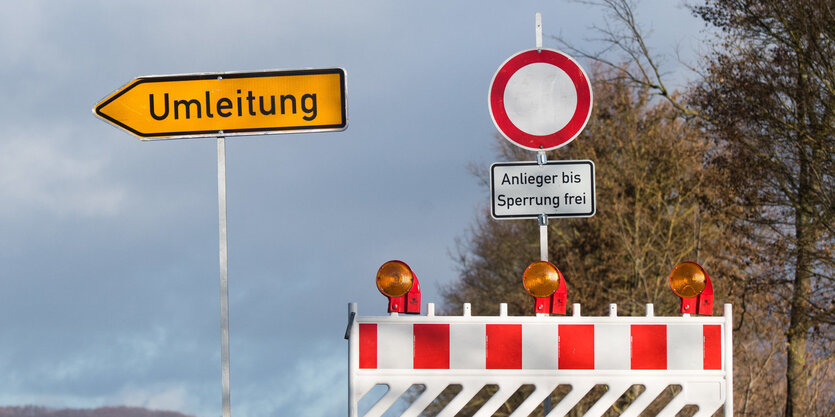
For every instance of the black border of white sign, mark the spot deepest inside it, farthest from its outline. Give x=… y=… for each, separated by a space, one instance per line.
x=521 y=190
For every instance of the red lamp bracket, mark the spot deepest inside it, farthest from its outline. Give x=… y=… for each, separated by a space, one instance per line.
x=702 y=303
x=409 y=303
x=556 y=303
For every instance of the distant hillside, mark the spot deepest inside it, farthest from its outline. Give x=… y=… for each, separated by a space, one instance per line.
x=33 y=411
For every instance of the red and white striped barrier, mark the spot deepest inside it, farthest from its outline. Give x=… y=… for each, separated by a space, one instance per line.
x=437 y=351
x=540 y=346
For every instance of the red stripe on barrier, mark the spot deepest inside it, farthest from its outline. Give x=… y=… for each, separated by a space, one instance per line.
x=576 y=346
x=431 y=346
x=368 y=345
x=649 y=346
x=504 y=346
x=713 y=346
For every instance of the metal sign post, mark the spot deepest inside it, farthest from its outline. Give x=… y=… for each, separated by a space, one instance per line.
x=542 y=159
x=224 y=277
x=228 y=104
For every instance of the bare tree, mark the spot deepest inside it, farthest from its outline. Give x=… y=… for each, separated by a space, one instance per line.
x=765 y=98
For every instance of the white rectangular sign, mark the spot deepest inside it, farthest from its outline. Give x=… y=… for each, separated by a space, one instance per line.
x=556 y=189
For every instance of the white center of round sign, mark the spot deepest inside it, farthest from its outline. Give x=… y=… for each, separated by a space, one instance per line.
x=540 y=99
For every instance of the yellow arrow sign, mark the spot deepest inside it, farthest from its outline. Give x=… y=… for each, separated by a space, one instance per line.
x=226 y=104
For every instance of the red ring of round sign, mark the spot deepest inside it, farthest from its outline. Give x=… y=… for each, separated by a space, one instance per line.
x=567 y=110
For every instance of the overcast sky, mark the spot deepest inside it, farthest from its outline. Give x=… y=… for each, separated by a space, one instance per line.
x=108 y=245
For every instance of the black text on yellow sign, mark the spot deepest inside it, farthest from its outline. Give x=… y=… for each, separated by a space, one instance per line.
x=226 y=104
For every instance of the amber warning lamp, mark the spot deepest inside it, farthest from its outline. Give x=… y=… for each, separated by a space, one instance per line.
x=546 y=284
x=691 y=283
x=400 y=284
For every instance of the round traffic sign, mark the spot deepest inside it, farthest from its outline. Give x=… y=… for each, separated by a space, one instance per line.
x=540 y=99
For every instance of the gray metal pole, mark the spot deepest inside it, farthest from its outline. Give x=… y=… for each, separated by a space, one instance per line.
x=729 y=359
x=542 y=159
x=543 y=237
x=224 y=275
